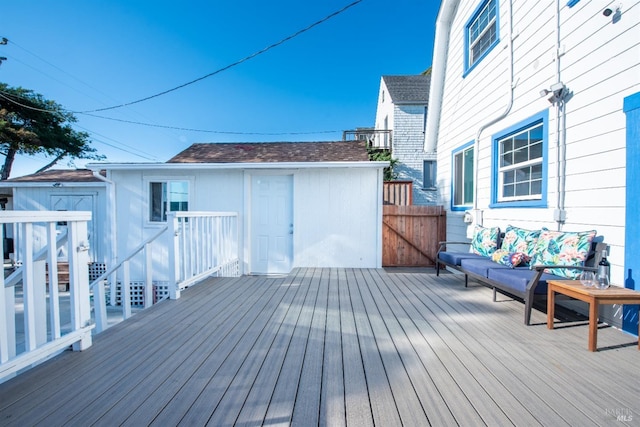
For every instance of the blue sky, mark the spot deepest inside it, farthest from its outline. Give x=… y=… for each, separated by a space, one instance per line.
x=87 y=55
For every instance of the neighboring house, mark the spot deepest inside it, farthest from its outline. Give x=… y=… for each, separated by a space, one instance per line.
x=64 y=190
x=400 y=123
x=319 y=204
x=532 y=109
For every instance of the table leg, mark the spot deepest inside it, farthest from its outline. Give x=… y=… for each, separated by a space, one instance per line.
x=593 y=325
x=551 y=305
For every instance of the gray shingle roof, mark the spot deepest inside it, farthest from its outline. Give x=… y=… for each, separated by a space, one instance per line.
x=339 y=151
x=59 y=175
x=408 y=89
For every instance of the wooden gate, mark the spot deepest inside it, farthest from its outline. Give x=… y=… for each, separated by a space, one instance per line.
x=410 y=235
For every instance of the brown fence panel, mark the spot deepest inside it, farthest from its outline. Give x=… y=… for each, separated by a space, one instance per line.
x=397 y=193
x=410 y=235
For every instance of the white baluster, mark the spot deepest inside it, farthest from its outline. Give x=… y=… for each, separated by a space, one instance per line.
x=148 y=282
x=125 y=290
x=54 y=301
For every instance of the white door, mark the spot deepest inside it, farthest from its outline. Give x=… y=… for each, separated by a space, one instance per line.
x=76 y=202
x=271 y=224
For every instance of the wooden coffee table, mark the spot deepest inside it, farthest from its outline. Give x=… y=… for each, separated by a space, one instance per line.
x=594 y=297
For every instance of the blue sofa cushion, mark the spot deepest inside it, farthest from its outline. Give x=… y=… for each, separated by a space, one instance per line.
x=481 y=266
x=454 y=258
x=518 y=278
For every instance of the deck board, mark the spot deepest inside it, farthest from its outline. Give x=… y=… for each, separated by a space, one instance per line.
x=333 y=347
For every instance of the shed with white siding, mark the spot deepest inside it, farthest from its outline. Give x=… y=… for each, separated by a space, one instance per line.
x=311 y=204
x=64 y=190
x=557 y=72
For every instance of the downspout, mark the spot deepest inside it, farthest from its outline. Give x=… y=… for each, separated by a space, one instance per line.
x=438 y=66
x=112 y=234
x=559 y=214
x=476 y=212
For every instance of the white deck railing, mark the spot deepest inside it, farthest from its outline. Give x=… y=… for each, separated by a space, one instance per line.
x=198 y=245
x=35 y=321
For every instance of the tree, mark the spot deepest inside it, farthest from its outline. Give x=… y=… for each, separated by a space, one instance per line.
x=31 y=124
x=377 y=155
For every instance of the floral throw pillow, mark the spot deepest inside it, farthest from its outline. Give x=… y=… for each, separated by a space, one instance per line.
x=485 y=240
x=510 y=259
x=520 y=240
x=563 y=248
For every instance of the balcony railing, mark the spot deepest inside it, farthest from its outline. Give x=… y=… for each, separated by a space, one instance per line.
x=37 y=322
x=197 y=245
x=380 y=139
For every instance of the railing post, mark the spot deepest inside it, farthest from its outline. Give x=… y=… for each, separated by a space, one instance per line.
x=99 y=307
x=28 y=287
x=52 y=259
x=78 y=248
x=173 y=252
x=40 y=301
x=125 y=290
x=148 y=281
x=4 y=308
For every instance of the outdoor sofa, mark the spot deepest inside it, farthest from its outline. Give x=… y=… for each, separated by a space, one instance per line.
x=519 y=262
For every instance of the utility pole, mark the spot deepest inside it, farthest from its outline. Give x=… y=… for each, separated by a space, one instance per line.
x=3 y=41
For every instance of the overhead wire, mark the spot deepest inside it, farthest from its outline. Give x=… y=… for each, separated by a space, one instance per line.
x=4 y=94
x=236 y=63
x=206 y=130
x=13 y=43
x=137 y=153
x=245 y=59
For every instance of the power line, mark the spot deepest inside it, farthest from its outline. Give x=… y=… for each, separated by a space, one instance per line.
x=3 y=95
x=13 y=43
x=206 y=130
x=253 y=55
x=137 y=152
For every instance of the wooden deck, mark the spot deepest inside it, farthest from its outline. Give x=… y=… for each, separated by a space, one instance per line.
x=334 y=347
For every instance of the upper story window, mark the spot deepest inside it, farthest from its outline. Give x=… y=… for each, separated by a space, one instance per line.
x=481 y=33
x=429 y=175
x=167 y=196
x=520 y=165
x=463 y=178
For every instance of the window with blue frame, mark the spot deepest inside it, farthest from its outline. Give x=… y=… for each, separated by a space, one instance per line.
x=429 y=175
x=462 y=181
x=481 y=33
x=520 y=164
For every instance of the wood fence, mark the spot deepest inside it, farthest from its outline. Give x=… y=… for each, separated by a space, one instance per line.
x=397 y=193
x=410 y=235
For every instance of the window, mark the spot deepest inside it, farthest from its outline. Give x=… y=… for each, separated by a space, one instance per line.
x=463 y=176
x=481 y=33
x=429 y=175
x=167 y=196
x=424 y=120
x=520 y=165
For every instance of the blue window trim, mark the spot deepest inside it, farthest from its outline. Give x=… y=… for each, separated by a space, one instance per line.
x=468 y=68
x=453 y=178
x=433 y=176
x=631 y=108
x=543 y=118
x=572 y=3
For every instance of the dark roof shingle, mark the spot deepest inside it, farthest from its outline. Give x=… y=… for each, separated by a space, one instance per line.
x=412 y=89
x=59 y=175
x=340 y=151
